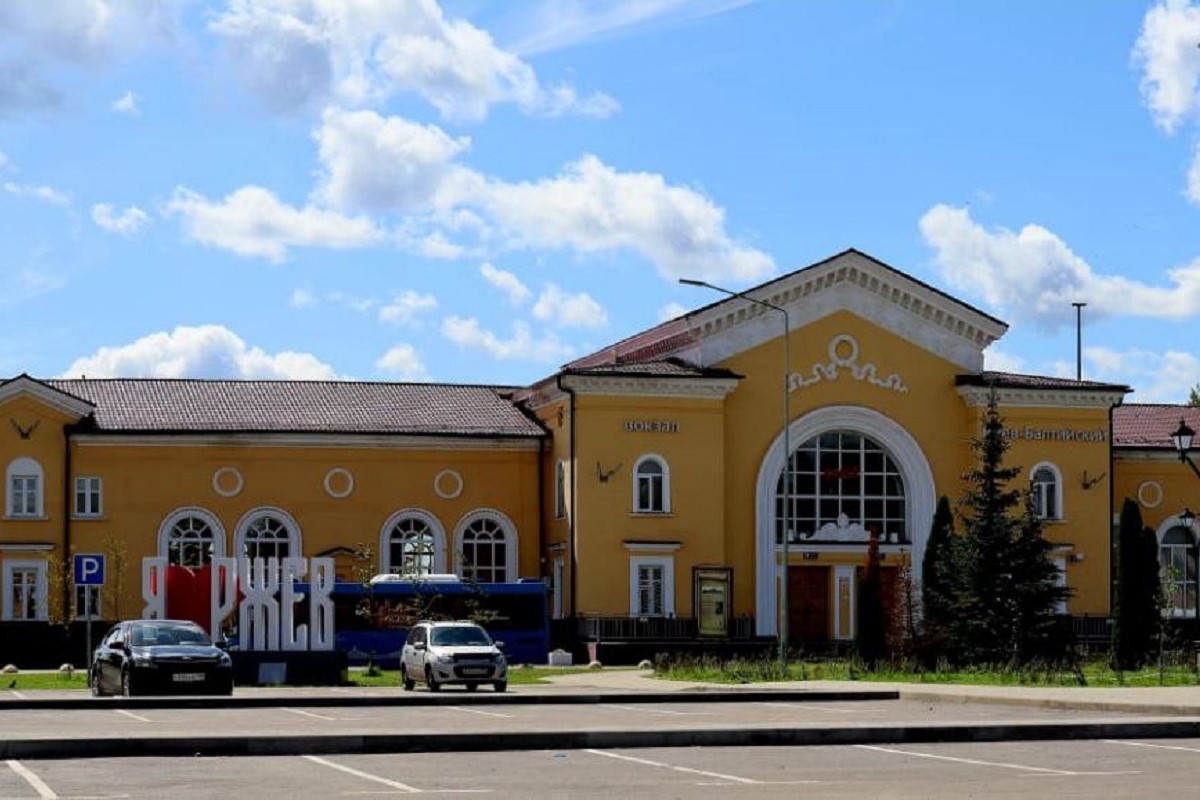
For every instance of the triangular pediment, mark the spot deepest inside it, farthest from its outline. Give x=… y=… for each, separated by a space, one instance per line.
x=25 y=386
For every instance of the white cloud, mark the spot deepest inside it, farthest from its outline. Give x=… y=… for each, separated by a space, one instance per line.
x=405 y=308
x=1034 y=275
x=38 y=38
x=297 y=53
x=3 y=160
x=1193 y=177
x=302 y=298
x=506 y=282
x=253 y=222
x=1158 y=377
x=403 y=361
x=126 y=104
x=671 y=311
x=204 y=351
x=997 y=360
x=47 y=194
x=569 y=310
x=376 y=163
x=1167 y=52
x=467 y=333
x=127 y=223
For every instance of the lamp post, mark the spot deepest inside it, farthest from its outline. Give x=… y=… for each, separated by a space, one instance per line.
x=1189 y=519
x=1182 y=439
x=785 y=614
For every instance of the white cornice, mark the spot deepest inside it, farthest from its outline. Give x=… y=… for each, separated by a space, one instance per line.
x=855 y=283
x=24 y=385
x=652 y=547
x=977 y=396
x=306 y=440
x=25 y=547
x=651 y=386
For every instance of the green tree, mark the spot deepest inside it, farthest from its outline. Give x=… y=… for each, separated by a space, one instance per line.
x=1194 y=396
x=937 y=572
x=1004 y=584
x=1135 y=607
x=871 y=641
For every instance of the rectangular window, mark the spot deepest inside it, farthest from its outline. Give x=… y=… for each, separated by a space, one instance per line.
x=25 y=590
x=24 y=496
x=87 y=602
x=652 y=587
x=87 y=497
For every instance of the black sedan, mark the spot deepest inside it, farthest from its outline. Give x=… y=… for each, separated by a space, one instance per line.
x=159 y=656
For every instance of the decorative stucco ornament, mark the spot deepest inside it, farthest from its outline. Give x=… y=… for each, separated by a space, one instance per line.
x=843 y=355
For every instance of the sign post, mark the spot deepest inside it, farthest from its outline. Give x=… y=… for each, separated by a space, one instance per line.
x=89 y=572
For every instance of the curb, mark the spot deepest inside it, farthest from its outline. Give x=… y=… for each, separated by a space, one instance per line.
x=355 y=744
x=1059 y=704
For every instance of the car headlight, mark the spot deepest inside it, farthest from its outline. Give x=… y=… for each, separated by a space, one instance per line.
x=224 y=660
x=142 y=659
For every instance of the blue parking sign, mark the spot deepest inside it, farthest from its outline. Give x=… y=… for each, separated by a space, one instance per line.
x=89 y=569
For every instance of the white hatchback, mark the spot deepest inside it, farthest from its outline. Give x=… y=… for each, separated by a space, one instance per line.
x=438 y=653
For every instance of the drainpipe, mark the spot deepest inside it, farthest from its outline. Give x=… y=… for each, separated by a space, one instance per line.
x=574 y=506
x=541 y=507
x=66 y=524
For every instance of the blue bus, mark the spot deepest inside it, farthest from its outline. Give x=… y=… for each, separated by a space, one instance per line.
x=372 y=620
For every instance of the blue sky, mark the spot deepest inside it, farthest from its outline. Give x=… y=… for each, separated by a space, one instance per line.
x=479 y=191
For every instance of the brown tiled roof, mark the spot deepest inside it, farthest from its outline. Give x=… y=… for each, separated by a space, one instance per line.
x=1147 y=426
x=195 y=406
x=1014 y=380
x=669 y=368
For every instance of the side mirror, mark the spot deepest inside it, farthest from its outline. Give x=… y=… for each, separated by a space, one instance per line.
x=499 y=645
x=116 y=644
x=221 y=643
x=419 y=646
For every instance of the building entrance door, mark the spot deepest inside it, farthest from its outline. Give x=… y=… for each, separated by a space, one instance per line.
x=808 y=604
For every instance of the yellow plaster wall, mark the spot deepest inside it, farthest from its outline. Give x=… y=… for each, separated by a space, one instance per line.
x=1177 y=488
x=44 y=445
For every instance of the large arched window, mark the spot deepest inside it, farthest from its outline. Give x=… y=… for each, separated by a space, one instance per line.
x=1177 y=563
x=190 y=537
x=651 y=485
x=267 y=533
x=840 y=486
x=1045 y=489
x=486 y=543
x=412 y=543
x=23 y=481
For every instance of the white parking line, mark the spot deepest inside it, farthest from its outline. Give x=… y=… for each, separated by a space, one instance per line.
x=726 y=779
x=404 y=787
x=130 y=714
x=980 y=763
x=477 y=711
x=659 y=711
x=304 y=713
x=16 y=694
x=37 y=783
x=812 y=707
x=1155 y=746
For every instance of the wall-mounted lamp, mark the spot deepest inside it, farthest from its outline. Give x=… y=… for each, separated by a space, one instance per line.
x=1075 y=558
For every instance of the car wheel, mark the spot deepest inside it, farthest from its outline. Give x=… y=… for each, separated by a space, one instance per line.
x=472 y=686
x=127 y=687
x=431 y=681
x=501 y=686
x=226 y=689
x=409 y=683
x=94 y=684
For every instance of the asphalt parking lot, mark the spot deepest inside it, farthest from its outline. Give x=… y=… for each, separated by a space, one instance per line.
x=1107 y=768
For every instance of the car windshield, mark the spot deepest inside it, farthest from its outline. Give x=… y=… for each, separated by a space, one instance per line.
x=150 y=635
x=460 y=635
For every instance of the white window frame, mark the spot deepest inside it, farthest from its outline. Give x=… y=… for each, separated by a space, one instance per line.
x=560 y=489
x=1179 y=584
x=1048 y=514
x=179 y=515
x=294 y=549
x=667 y=565
x=90 y=488
x=97 y=601
x=435 y=527
x=41 y=588
x=666 y=484
x=25 y=469
x=510 y=539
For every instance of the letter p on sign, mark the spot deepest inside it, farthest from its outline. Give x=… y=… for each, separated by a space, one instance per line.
x=89 y=569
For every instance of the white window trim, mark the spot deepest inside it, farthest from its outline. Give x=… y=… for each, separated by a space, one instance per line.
x=435 y=527
x=1165 y=527
x=29 y=467
x=98 y=511
x=667 y=564
x=1057 y=511
x=666 y=484
x=41 y=590
x=214 y=524
x=295 y=550
x=510 y=539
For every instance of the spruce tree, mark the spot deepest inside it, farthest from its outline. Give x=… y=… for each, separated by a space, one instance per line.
x=937 y=571
x=1130 y=643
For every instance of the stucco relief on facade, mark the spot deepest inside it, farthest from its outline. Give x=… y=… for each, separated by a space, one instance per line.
x=448 y=484
x=843 y=355
x=339 y=483
x=227 y=482
x=1150 y=494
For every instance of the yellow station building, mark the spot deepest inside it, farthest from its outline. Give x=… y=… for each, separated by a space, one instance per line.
x=645 y=483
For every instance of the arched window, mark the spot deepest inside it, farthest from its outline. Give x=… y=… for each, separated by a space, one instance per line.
x=560 y=489
x=267 y=533
x=1045 y=487
x=651 y=485
x=412 y=543
x=486 y=542
x=23 y=480
x=1177 y=563
x=190 y=537
x=841 y=486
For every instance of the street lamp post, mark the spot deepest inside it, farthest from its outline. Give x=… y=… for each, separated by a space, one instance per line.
x=785 y=615
x=1182 y=439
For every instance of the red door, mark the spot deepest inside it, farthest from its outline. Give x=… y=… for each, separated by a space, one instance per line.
x=808 y=604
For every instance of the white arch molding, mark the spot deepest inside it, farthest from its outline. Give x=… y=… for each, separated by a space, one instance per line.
x=168 y=523
x=435 y=527
x=892 y=437
x=511 y=566
x=295 y=540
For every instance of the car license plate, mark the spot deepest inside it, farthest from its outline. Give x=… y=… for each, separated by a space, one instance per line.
x=475 y=671
x=187 y=677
